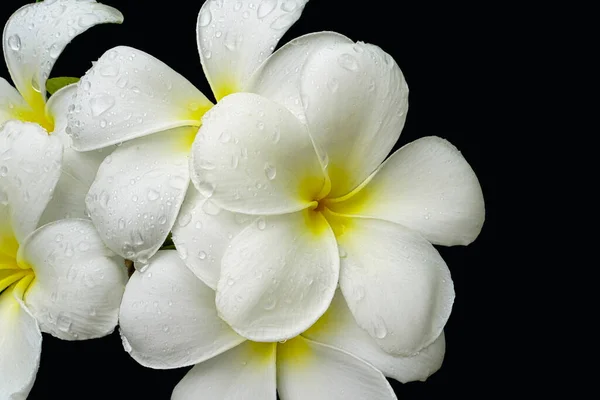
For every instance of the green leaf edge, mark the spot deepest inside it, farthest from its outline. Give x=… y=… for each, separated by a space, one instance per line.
x=53 y=85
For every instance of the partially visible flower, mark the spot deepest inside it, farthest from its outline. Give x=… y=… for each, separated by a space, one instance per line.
x=287 y=208
x=60 y=278
x=132 y=98
x=168 y=320
x=33 y=39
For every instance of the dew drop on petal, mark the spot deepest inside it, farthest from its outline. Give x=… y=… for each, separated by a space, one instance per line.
x=270 y=171
x=101 y=104
x=153 y=195
x=185 y=219
x=348 y=62
x=205 y=17
x=14 y=42
x=265 y=8
x=261 y=224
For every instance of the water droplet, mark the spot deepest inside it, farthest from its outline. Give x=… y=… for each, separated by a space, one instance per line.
x=379 y=328
x=58 y=238
x=261 y=223
x=165 y=328
x=162 y=220
x=225 y=137
x=202 y=255
x=83 y=246
x=72 y=273
x=234 y=161
x=283 y=22
x=54 y=51
x=333 y=85
x=185 y=219
x=109 y=70
x=270 y=303
x=230 y=282
x=233 y=40
x=178 y=182
x=210 y=208
x=205 y=17
x=198 y=225
x=270 y=171
x=348 y=62
x=87 y=20
x=238 y=5
x=14 y=42
x=103 y=123
x=260 y=125
x=63 y=323
x=289 y=6
x=265 y=8
x=3 y=170
x=122 y=82
x=122 y=224
x=153 y=195
x=101 y=103
x=206 y=189
x=35 y=84
x=205 y=164
x=343 y=253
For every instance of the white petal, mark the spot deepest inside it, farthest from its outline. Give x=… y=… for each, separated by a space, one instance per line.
x=36 y=34
x=78 y=281
x=338 y=328
x=58 y=106
x=11 y=102
x=168 y=317
x=138 y=191
x=236 y=36
x=129 y=94
x=395 y=283
x=30 y=163
x=427 y=186
x=310 y=370
x=203 y=232
x=278 y=78
x=356 y=101
x=20 y=348
x=278 y=276
x=244 y=372
x=253 y=156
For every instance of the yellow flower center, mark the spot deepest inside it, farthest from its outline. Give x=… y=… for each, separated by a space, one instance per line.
x=14 y=275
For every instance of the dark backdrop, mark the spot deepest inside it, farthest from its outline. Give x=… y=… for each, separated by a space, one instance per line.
x=448 y=54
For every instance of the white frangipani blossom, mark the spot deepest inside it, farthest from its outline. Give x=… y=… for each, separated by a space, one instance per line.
x=133 y=99
x=295 y=208
x=168 y=320
x=58 y=278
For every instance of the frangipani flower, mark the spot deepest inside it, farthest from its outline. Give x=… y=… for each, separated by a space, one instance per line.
x=168 y=320
x=132 y=98
x=318 y=205
x=33 y=39
x=59 y=278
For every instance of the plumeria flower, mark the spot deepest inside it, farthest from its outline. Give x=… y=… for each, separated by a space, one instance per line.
x=296 y=208
x=133 y=99
x=59 y=278
x=168 y=320
x=33 y=39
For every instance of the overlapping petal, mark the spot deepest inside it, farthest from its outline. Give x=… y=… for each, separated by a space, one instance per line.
x=20 y=348
x=129 y=94
x=36 y=34
x=138 y=191
x=78 y=281
x=30 y=162
x=168 y=317
x=236 y=36
x=244 y=372
x=395 y=283
x=278 y=78
x=57 y=107
x=253 y=156
x=203 y=232
x=338 y=328
x=426 y=186
x=278 y=276
x=310 y=370
x=355 y=98
x=12 y=103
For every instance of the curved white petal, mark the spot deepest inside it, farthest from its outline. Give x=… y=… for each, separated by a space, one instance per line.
x=236 y=36
x=129 y=94
x=20 y=348
x=310 y=370
x=78 y=281
x=138 y=191
x=203 y=232
x=36 y=34
x=278 y=276
x=338 y=328
x=278 y=78
x=30 y=161
x=244 y=372
x=395 y=283
x=253 y=156
x=168 y=317
x=58 y=107
x=356 y=100
x=11 y=102
x=427 y=186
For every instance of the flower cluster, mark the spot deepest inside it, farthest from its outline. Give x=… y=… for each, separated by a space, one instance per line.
x=304 y=262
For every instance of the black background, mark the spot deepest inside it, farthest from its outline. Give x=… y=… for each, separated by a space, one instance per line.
x=449 y=54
